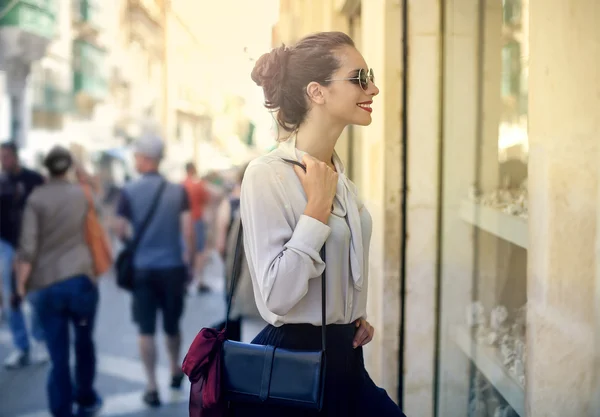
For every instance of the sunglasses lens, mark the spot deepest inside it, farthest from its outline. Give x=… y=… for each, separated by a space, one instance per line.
x=364 y=79
x=371 y=76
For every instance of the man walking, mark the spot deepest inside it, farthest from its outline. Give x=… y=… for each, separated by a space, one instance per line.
x=198 y=196
x=16 y=184
x=160 y=273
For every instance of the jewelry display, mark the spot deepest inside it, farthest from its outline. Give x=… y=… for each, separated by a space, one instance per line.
x=505 y=411
x=475 y=314
x=485 y=401
x=505 y=333
x=513 y=201
x=477 y=408
x=480 y=391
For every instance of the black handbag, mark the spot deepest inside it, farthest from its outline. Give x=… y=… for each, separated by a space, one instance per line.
x=124 y=270
x=271 y=375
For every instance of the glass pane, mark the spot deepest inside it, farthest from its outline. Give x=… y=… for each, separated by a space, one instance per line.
x=484 y=226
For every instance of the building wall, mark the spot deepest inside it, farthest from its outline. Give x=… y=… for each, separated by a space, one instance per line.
x=562 y=365
x=185 y=63
x=211 y=96
x=423 y=118
x=381 y=35
x=82 y=126
x=145 y=43
x=132 y=34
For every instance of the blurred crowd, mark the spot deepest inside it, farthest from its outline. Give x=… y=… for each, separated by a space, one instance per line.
x=64 y=229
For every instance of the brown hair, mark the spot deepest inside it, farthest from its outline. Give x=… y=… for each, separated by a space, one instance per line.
x=285 y=72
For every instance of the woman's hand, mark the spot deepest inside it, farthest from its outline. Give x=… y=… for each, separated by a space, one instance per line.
x=319 y=183
x=364 y=333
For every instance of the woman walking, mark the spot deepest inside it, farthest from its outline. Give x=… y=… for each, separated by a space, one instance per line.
x=318 y=87
x=56 y=268
x=228 y=226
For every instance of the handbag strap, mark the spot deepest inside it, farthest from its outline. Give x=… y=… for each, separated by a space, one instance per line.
x=237 y=267
x=88 y=196
x=149 y=215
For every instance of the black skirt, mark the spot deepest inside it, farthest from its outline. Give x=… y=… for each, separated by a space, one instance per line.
x=349 y=391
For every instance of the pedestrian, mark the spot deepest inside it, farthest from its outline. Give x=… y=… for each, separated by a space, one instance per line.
x=228 y=225
x=199 y=197
x=55 y=267
x=160 y=271
x=226 y=212
x=318 y=87
x=218 y=191
x=16 y=184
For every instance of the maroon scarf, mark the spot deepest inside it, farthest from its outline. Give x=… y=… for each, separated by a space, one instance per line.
x=202 y=365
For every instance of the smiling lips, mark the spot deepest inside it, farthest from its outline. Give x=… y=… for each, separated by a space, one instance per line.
x=366 y=106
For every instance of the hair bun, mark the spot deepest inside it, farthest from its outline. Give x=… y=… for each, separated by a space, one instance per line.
x=269 y=72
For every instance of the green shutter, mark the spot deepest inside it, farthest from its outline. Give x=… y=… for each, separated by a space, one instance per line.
x=37 y=17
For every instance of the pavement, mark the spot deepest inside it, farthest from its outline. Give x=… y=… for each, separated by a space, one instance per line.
x=120 y=378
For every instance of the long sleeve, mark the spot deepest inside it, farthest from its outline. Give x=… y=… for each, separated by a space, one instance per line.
x=283 y=252
x=28 y=242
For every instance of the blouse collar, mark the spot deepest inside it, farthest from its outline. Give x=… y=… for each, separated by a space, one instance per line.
x=289 y=147
x=345 y=205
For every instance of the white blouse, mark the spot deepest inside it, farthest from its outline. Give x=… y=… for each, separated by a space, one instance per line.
x=282 y=245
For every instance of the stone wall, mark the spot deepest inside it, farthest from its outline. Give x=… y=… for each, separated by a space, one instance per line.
x=563 y=182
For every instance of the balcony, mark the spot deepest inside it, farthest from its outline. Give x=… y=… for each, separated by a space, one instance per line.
x=35 y=17
x=49 y=98
x=90 y=83
x=50 y=104
x=87 y=17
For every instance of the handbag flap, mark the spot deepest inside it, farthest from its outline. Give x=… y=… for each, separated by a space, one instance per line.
x=287 y=373
x=297 y=375
x=245 y=365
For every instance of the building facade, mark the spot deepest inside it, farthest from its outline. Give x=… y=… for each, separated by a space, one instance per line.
x=481 y=171
x=94 y=75
x=210 y=95
x=189 y=115
x=26 y=30
x=93 y=79
x=58 y=84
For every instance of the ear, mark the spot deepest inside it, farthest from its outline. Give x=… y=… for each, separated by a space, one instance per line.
x=315 y=92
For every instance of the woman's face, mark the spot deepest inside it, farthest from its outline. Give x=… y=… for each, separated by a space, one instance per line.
x=346 y=100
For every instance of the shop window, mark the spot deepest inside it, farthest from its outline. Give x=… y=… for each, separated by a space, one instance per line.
x=511 y=12
x=511 y=64
x=484 y=232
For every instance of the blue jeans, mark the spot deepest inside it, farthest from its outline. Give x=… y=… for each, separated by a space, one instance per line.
x=73 y=301
x=16 y=318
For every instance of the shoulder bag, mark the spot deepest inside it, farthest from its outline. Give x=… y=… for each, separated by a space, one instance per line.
x=124 y=263
x=272 y=375
x=95 y=236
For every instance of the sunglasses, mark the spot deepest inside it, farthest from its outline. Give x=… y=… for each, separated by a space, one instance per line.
x=362 y=78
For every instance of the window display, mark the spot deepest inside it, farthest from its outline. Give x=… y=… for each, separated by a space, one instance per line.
x=484 y=236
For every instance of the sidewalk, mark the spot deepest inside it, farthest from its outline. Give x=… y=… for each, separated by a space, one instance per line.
x=120 y=377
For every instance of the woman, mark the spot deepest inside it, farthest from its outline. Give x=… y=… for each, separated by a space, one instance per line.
x=228 y=224
x=56 y=265
x=226 y=212
x=318 y=87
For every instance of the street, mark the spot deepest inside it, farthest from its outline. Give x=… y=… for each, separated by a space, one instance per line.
x=120 y=378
